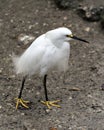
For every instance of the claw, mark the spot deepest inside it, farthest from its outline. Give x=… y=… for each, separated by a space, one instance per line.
x=49 y=104
x=22 y=102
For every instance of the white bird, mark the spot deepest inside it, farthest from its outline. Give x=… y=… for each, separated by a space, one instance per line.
x=49 y=52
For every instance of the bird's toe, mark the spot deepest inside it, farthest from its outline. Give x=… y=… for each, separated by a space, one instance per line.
x=49 y=104
x=20 y=101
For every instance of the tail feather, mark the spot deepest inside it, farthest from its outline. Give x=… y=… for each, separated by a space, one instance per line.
x=15 y=60
x=20 y=64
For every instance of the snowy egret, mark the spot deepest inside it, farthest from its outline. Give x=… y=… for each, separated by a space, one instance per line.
x=48 y=52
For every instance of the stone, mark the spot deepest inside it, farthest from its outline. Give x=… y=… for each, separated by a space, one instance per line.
x=102 y=87
x=25 y=39
x=67 y=4
x=102 y=20
x=91 y=14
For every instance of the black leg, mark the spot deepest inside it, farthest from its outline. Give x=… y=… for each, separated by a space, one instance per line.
x=45 y=87
x=22 y=86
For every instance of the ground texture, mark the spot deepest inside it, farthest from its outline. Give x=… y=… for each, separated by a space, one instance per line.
x=81 y=110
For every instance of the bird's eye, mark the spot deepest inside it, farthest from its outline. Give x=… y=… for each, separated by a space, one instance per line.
x=67 y=35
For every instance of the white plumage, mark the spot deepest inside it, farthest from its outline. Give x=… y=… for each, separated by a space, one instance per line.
x=48 y=52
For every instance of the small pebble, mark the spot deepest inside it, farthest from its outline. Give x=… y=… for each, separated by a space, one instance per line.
x=22 y=114
x=60 y=126
x=102 y=87
x=65 y=18
x=89 y=96
x=87 y=29
x=47 y=110
x=0 y=70
x=70 y=98
x=37 y=93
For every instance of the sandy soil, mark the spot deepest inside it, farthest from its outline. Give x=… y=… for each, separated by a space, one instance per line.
x=81 y=110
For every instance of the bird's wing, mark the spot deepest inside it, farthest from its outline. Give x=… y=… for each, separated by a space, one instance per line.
x=30 y=61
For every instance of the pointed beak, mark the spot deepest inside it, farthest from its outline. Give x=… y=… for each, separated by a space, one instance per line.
x=76 y=38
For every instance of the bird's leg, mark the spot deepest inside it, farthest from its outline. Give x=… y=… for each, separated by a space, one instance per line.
x=19 y=100
x=47 y=102
x=45 y=87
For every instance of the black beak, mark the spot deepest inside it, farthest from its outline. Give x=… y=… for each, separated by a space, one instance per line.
x=76 y=38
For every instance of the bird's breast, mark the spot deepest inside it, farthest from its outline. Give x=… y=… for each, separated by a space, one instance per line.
x=55 y=59
x=60 y=58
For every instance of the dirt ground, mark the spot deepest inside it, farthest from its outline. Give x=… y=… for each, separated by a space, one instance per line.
x=80 y=110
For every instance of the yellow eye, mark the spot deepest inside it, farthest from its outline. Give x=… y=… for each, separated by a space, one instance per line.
x=71 y=35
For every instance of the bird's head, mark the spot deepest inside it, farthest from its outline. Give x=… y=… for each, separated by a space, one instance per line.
x=62 y=34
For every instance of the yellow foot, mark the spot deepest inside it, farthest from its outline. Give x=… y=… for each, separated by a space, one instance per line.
x=51 y=103
x=22 y=102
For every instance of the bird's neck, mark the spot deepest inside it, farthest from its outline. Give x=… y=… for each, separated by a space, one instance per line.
x=59 y=43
